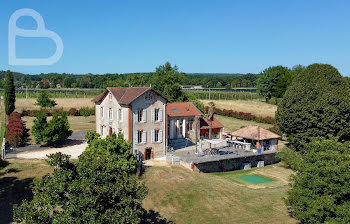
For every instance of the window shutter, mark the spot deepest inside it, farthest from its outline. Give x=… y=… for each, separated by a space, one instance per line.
x=160 y=116
x=144 y=116
x=135 y=116
x=153 y=115
x=160 y=137
x=153 y=136
x=121 y=115
x=144 y=136
x=112 y=114
x=135 y=137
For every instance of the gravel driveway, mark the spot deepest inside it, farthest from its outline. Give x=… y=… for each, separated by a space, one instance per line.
x=74 y=151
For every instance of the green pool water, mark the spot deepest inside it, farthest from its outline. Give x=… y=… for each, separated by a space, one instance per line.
x=254 y=179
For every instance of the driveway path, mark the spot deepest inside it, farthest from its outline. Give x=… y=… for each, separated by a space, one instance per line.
x=74 y=151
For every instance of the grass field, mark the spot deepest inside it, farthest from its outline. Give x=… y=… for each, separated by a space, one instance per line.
x=65 y=103
x=176 y=193
x=233 y=124
x=189 y=197
x=77 y=123
x=258 y=108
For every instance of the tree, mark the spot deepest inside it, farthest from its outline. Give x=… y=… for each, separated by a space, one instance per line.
x=40 y=124
x=57 y=129
x=219 y=85
x=44 y=100
x=167 y=80
x=321 y=185
x=316 y=104
x=9 y=93
x=100 y=188
x=268 y=79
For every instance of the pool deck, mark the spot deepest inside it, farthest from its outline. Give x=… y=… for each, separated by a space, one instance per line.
x=226 y=153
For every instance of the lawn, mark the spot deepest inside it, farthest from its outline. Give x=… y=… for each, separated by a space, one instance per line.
x=16 y=180
x=184 y=196
x=258 y=108
x=77 y=123
x=65 y=103
x=178 y=194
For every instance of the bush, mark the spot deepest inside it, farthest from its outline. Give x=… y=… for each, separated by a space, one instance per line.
x=289 y=157
x=73 y=112
x=86 y=111
x=16 y=133
x=44 y=100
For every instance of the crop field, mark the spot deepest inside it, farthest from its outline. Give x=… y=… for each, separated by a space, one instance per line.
x=258 y=108
x=65 y=103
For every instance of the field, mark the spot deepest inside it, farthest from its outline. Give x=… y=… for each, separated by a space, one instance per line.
x=65 y=103
x=188 y=197
x=232 y=124
x=176 y=193
x=77 y=123
x=258 y=108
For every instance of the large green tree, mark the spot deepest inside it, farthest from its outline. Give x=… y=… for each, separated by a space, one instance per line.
x=316 y=104
x=321 y=186
x=168 y=80
x=100 y=188
x=10 y=93
x=272 y=82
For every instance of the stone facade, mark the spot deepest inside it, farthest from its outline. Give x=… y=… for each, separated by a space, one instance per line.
x=137 y=121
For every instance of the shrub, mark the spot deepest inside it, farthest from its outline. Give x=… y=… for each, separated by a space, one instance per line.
x=85 y=111
x=44 y=100
x=289 y=157
x=73 y=112
x=16 y=133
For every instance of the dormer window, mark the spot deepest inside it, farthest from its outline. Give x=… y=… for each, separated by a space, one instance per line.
x=149 y=96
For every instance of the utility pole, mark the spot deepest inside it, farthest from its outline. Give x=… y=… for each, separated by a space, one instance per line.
x=26 y=92
x=209 y=93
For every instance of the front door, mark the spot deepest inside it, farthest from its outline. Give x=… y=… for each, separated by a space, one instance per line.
x=110 y=132
x=148 y=154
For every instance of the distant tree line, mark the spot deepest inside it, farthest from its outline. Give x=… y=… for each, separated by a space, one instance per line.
x=65 y=80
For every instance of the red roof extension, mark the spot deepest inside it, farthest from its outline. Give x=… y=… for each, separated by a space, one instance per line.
x=182 y=110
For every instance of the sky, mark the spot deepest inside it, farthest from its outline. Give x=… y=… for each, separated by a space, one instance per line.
x=199 y=36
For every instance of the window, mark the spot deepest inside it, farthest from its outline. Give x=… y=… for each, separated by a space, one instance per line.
x=189 y=125
x=157 y=115
x=149 y=96
x=140 y=137
x=102 y=130
x=141 y=115
x=120 y=118
x=110 y=97
x=101 y=112
x=156 y=135
x=110 y=113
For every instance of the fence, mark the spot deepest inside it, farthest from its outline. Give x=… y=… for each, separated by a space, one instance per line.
x=224 y=95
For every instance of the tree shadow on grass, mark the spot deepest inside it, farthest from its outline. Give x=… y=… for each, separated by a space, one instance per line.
x=13 y=191
x=154 y=217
